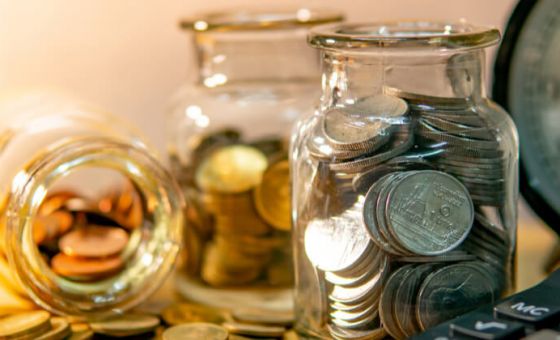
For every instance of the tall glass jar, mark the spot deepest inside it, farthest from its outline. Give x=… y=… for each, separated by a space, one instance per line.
x=69 y=256
x=404 y=182
x=228 y=135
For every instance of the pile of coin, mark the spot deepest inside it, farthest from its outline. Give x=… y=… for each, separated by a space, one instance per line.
x=238 y=230
x=402 y=214
x=190 y=321
x=83 y=239
x=40 y=325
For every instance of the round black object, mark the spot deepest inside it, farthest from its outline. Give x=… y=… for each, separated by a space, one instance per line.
x=527 y=85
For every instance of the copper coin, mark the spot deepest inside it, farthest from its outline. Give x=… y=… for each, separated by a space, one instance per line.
x=94 y=241
x=85 y=268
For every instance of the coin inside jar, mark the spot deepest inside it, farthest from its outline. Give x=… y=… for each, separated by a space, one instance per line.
x=272 y=196
x=94 y=241
x=232 y=169
x=85 y=269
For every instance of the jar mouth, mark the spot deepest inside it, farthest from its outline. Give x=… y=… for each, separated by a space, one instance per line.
x=250 y=20
x=157 y=241
x=403 y=34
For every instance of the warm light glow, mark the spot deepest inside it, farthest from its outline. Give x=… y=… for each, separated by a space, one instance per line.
x=215 y=80
x=303 y=14
x=200 y=25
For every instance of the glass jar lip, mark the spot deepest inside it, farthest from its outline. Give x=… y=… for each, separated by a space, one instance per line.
x=256 y=19
x=419 y=34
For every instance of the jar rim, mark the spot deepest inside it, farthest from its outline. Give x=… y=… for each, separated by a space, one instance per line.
x=255 y=19
x=415 y=34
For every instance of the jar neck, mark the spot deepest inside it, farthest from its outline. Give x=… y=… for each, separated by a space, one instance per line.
x=348 y=77
x=159 y=236
x=252 y=56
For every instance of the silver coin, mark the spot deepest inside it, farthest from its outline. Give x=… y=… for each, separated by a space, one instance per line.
x=339 y=242
x=452 y=256
x=451 y=291
x=346 y=334
x=405 y=298
x=363 y=164
x=376 y=264
x=370 y=214
x=355 y=131
x=355 y=295
x=427 y=100
x=387 y=302
x=429 y=212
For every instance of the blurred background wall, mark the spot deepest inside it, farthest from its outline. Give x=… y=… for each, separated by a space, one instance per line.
x=128 y=56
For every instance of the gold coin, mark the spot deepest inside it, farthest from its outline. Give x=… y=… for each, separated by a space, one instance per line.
x=64 y=220
x=272 y=196
x=179 y=313
x=55 y=201
x=196 y=331
x=11 y=303
x=94 y=241
x=126 y=325
x=231 y=169
x=81 y=331
x=22 y=324
x=8 y=280
x=254 y=330
x=85 y=269
x=60 y=330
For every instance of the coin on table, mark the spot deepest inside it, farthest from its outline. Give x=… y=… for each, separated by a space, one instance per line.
x=429 y=212
x=337 y=243
x=94 y=241
x=60 y=330
x=25 y=325
x=195 y=331
x=179 y=313
x=126 y=325
x=80 y=331
x=254 y=330
x=85 y=268
x=272 y=196
x=231 y=169
x=451 y=291
x=258 y=316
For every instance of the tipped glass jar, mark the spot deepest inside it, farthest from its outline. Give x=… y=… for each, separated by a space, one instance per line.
x=404 y=182
x=91 y=222
x=228 y=136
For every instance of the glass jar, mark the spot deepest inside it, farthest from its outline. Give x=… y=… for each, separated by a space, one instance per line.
x=69 y=251
x=404 y=182
x=228 y=136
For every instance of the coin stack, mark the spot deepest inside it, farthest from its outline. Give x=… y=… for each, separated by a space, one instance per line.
x=85 y=240
x=409 y=183
x=238 y=230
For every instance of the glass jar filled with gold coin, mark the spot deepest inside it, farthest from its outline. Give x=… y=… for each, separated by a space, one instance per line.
x=228 y=133
x=405 y=182
x=90 y=221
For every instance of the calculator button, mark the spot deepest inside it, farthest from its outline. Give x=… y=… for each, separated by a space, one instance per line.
x=529 y=308
x=545 y=334
x=483 y=326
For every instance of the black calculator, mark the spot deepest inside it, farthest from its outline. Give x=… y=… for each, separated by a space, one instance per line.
x=531 y=314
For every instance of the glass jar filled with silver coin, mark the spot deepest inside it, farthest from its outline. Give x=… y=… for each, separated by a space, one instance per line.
x=90 y=220
x=228 y=135
x=404 y=182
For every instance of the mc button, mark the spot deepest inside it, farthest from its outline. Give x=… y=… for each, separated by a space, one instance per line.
x=532 y=311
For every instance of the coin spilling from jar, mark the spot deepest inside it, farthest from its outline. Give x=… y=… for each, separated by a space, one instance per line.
x=239 y=215
x=87 y=240
x=413 y=186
